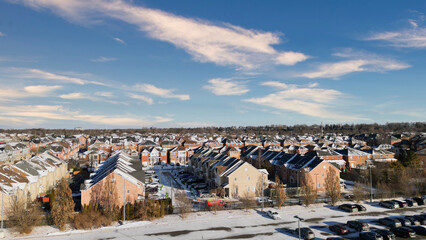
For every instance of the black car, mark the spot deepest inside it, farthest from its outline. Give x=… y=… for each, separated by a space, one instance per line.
x=306 y=233
x=420 y=201
x=410 y=202
x=420 y=218
x=348 y=208
x=360 y=207
x=370 y=236
x=390 y=222
x=420 y=230
x=412 y=220
x=405 y=232
x=389 y=204
x=339 y=229
x=402 y=204
x=359 y=226
x=386 y=234
x=404 y=221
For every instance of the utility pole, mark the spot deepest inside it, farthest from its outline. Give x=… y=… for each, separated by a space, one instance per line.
x=371 y=185
x=263 y=194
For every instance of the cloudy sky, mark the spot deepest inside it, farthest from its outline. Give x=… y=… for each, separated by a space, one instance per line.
x=123 y=63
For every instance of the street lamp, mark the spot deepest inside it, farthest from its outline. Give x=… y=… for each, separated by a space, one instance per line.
x=298 y=223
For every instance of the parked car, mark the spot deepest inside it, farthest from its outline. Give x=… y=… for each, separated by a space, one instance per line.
x=360 y=207
x=339 y=229
x=420 y=218
x=306 y=233
x=370 y=236
x=410 y=202
x=402 y=204
x=390 y=222
x=404 y=232
x=386 y=234
x=413 y=221
x=389 y=204
x=348 y=208
x=404 y=221
x=420 y=230
x=359 y=226
x=420 y=201
x=274 y=215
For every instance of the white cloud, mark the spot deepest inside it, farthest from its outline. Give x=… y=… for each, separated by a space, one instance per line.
x=119 y=40
x=103 y=59
x=412 y=37
x=291 y=58
x=2 y=34
x=57 y=112
x=97 y=98
x=32 y=73
x=165 y=93
x=226 y=86
x=308 y=101
x=358 y=62
x=40 y=90
x=104 y=94
x=223 y=44
x=8 y=94
x=145 y=99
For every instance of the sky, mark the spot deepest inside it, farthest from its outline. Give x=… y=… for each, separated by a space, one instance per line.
x=132 y=64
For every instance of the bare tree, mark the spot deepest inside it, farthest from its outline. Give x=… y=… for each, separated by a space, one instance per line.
x=109 y=199
x=184 y=203
x=280 y=195
x=63 y=205
x=247 y=201
x=332 y=185
x=360 y=192
x=383 y=190
x=309 y=191
x=23 y=215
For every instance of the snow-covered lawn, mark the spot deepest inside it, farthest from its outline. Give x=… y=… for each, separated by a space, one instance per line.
x=232 y=224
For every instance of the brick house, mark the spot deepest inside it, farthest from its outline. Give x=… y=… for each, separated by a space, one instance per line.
x=126 y=174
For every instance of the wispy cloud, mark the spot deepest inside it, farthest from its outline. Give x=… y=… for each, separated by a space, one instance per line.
x=358 y=62
x=32 y=73
x=58 y=112
x=162 y=92
x=305 y=100
x=2 y=34
x=28 y=91
x=142 y=98
x=94 y=98
x=226 y=86
x=413 y=36
x=223 y=44
x=119 y=40
x=104 y=94
x=103 y=59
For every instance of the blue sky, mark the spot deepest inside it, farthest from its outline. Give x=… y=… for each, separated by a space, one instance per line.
x=118 y=64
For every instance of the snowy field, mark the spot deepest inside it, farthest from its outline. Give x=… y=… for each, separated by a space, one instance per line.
x=235 y=224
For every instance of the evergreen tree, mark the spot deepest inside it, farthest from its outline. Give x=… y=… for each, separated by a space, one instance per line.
x=63 y=205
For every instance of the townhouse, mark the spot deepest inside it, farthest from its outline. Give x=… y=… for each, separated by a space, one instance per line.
x=125 y=173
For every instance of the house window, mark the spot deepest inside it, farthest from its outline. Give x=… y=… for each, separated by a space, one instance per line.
x=248 y=178
x=245 y=169
x=235 y=179
x=128 y=191
x=248 y=189
x=254 y=189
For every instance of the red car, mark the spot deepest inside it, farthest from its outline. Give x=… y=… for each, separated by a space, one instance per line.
x=339 y=229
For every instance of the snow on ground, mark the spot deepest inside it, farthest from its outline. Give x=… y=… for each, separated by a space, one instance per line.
x=235 y=224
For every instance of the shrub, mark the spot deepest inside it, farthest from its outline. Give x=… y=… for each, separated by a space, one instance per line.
x=90 y=219
x=23 y=215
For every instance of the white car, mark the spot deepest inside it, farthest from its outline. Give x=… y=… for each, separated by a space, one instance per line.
x=273 y=215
